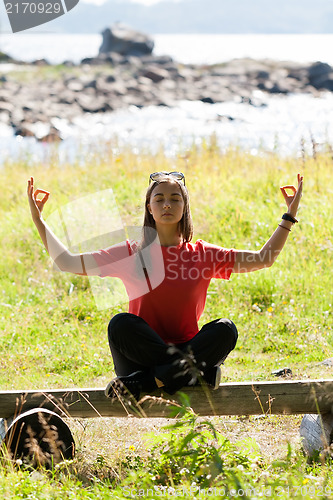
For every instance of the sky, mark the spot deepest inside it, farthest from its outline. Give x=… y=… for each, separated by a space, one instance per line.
x=145 y=2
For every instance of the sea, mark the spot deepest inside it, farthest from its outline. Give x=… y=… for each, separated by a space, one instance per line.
x=283 y=124
x=189 y=48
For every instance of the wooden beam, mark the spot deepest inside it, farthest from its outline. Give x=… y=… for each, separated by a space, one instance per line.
x=236 y=398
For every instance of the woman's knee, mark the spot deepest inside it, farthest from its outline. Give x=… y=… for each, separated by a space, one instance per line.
x=231 y=329
x=117 y=325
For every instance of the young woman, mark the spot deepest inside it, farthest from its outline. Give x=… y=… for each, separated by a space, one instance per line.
x=158 y=342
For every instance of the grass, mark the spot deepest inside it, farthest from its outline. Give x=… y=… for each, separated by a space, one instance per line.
x=53 y=335
x=28 y=73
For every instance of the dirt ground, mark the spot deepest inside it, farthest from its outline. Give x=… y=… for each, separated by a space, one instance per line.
x=118 y=437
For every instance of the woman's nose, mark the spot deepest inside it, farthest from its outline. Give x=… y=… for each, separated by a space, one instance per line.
x=167 y=203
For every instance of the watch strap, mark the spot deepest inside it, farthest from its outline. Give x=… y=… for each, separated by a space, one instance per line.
x=289 y=217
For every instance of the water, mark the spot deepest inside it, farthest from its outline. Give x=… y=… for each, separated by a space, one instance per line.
x=281 y=124
x=194 y=49
x=212 y=49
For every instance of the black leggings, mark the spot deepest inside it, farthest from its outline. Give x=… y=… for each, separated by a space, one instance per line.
x=136 y=346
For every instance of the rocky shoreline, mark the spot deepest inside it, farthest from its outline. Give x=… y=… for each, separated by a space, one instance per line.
x=111 y=81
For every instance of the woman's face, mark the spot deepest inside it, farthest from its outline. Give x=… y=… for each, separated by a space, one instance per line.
x=166 y=203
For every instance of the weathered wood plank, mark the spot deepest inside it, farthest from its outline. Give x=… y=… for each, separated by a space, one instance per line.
x=245 y=398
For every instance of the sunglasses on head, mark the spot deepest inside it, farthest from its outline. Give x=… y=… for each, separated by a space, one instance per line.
x=178 y=176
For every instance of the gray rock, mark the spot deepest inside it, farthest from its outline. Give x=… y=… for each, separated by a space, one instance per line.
x=93 y=105
x=262 y=75
x=6 y=58
x=272 y=87
x=159 y=60
x=208 y=100
x=75 y=86
x=319 y=69
x=17 y=116
x=327 y=362
x=155 y=73
x=113 y=57
x=110 y=79
x=283 y=372
x=24 y=130
x=319 y=75
x=132 y=61
x=325 y=82
x=92 y=84
x=149 y=80
x=41 y=62
x=126 y=41
x=93 y=61
x=7 y=107
x=53 y=135
x=300 y=74
x=69 y=64
x=4 y=117
x=67 y=98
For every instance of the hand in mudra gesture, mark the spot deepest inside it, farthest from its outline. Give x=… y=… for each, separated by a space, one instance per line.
x=292 y=200
x=36 y=203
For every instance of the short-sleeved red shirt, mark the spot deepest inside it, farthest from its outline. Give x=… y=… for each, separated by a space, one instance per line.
x=173 y=297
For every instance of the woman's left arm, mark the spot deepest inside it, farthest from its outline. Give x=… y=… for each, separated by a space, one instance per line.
x=247 y=261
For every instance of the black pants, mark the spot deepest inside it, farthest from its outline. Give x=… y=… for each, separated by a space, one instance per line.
x=136 y=346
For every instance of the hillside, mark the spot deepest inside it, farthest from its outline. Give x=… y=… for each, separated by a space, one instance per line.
x=199 y=16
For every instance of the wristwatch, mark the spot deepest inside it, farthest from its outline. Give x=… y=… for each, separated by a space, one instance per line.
x=289 y=217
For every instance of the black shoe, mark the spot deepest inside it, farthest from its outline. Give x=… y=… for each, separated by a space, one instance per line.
x=212 y=377
x=130 y=385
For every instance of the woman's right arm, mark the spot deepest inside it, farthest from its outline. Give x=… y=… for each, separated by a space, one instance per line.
x=66 y=261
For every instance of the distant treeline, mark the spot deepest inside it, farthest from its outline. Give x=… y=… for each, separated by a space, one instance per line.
x=202 y=16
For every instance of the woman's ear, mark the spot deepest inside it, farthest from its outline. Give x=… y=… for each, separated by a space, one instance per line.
x=149 y=209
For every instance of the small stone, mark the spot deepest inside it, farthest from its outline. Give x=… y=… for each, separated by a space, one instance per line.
x=283 y=372
x=327 y=362
x=155 y=74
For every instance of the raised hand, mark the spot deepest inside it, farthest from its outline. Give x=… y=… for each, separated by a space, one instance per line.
x=292 y=200
x=36 y=203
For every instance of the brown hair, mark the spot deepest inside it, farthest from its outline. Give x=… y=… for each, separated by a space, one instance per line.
x=185 y=224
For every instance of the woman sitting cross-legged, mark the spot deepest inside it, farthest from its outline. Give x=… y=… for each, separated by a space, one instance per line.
x=157 y=343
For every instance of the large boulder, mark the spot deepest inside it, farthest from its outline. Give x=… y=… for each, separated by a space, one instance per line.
x=125 y=41
x=320 y=75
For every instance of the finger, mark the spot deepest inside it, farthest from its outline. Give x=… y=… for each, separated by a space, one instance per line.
x=299 y=190
x=38 y=191
x=289 y=187
x=284 y=193
x=43 y=196
x=30 y=190
x=43 y=200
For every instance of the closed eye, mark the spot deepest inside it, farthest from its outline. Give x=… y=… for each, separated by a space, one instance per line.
x=172 y=199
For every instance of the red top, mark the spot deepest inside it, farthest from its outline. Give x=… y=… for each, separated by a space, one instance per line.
x=170 y=294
